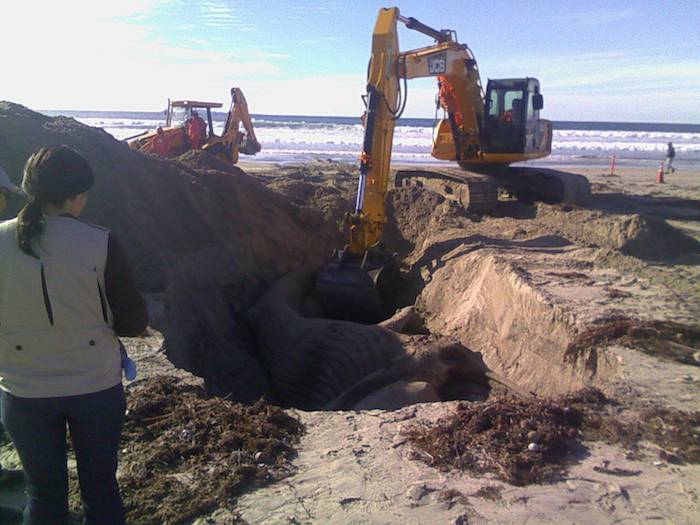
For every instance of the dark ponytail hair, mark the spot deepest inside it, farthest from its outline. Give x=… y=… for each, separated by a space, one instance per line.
x=51 y=175
x=30 y=224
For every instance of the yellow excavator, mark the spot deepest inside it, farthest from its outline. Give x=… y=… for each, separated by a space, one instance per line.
x=484 y=132
x=172 y=139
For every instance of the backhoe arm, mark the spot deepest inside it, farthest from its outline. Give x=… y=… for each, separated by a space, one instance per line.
x=238 y=114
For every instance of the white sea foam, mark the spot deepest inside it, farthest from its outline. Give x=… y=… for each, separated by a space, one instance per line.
x=300 y=140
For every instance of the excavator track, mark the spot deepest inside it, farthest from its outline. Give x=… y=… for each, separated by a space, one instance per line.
x=546 y=185
x=474 y=192
x=479 y=192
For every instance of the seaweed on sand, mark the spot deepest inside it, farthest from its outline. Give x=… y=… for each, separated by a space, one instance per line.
x=676 y=433
x=520 y=441
x=664 y=339
x=184 y=454
x=524 y=441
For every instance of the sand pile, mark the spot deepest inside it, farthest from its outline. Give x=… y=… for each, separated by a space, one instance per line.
x=413 y=213
x=319 y=194
x=209 y=233
x=650 y=238
x=643 y=236
x=164 y=210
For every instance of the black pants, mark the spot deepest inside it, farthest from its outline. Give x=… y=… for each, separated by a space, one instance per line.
x=2 y=430
x=38 y=430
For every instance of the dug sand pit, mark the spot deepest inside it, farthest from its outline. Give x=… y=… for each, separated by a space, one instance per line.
x=494 y=302
x=519 y=289
x=316 y=363
x=497 y=285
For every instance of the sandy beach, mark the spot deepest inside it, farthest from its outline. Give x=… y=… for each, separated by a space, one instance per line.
x=517 y=286
x=356 y=468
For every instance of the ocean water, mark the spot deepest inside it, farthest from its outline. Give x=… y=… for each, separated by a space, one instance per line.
x=300 y=138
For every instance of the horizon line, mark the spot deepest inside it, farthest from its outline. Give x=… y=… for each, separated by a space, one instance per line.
x=358 y=118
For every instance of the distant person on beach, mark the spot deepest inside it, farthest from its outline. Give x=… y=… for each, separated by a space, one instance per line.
x=670 y=155
x=196 y=130
x=68 y=293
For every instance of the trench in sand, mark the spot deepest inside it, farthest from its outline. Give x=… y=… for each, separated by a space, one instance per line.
x=452 y=289
x=468 y=278
x=488 y=304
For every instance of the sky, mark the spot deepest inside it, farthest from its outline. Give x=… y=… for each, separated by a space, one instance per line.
x=633 y=61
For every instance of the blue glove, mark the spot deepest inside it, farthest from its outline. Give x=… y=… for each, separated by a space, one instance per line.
x=128 y=365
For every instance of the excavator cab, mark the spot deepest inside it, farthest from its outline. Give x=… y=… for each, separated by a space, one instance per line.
x=512 y=118
x=179 y=111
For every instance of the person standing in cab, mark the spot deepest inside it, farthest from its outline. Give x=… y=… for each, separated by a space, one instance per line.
x=160 y=144
x=66 y=293
x=196 y=130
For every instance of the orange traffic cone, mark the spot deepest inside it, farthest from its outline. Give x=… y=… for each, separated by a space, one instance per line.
x=660 y=174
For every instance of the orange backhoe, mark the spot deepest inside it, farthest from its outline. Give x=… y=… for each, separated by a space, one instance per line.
x=176 y=137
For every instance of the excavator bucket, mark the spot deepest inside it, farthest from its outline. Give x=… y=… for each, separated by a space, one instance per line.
x=350 y=289
x=443 y=142
x=249 y=146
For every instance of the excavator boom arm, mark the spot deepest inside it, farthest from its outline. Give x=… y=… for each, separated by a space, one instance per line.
x=382 y=105
x=451 y=62
x=357 y=282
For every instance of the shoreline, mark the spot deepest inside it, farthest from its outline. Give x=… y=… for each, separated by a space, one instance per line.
x=588 y=169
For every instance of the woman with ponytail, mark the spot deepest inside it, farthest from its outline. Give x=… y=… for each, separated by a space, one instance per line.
x=66 y=293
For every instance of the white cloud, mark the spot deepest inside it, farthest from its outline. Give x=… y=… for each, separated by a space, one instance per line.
x=614 y=85
x=75 y=56
x=596 y=17
x=208 y=8
x=329 y=95
x=314 y=95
